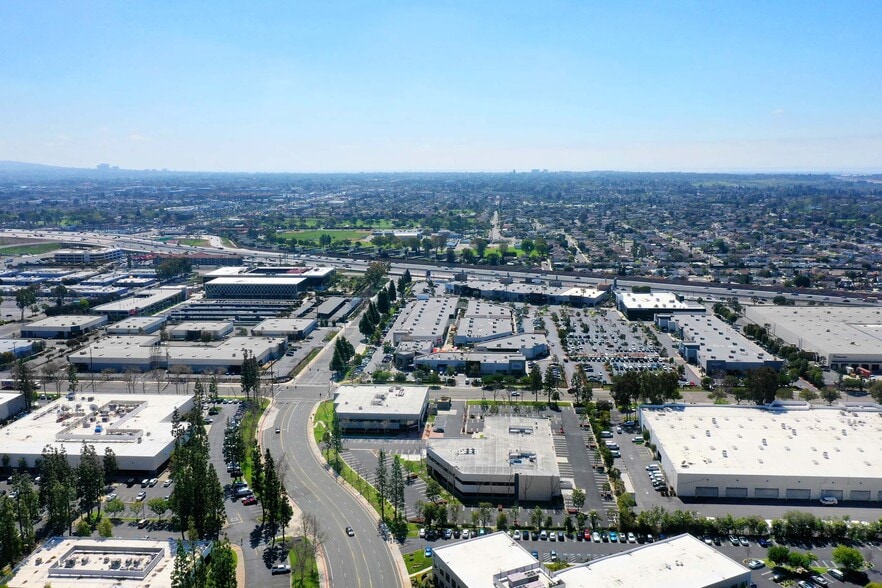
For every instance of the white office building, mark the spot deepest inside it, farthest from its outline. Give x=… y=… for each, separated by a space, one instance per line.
x=383 y=409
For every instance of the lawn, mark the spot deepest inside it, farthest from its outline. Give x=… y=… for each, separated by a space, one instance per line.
x=417 y=561
x=310 y=576
x=36 y=249
x=194 y=242
x=336 y=235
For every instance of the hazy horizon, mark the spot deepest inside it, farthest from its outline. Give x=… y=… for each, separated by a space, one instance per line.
x=729 y=87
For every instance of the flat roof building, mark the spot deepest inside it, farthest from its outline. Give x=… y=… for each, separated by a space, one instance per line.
x=197 y=330
x=514 y=459
x=276 y=288
x=471 y=330
x=87 y=562
x=473 y=363
x=425 y=320
x=136 y=325
x=136 y=426
x=381 y=408
x=143 y=303
x=644 y=306
x=285 y=327
x=682 y=562
x=842 y=336
x=714 y=345
x=63 y=326
x=530 y=345
x=532 y=293
x=88 y=256
x=481 y=561
x=11 y=403
x=18 y=347
x=241 y=312
x=788 y=450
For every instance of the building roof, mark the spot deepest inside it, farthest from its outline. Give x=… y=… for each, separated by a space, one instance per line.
x=718 y=340
x=66 y=321
x=366 y=402
x=520 y=341
x=655 y=301
x=829 y=330
x=201 y=326
x=141 y=416
x=509 y=445
x=427 y=318
x=283 y=325
x=138 y=349
x=99 y=563
x=482 y=309
x=140 y=300
x=477 y=560
x=796 y=439
x=133 y=323
x=483 y=328
x=7 y=397
x=682 y=561
x=248 y=280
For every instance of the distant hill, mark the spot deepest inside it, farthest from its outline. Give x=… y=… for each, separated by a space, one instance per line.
x=21 y=166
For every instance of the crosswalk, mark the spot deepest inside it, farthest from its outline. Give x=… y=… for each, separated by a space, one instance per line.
x=561 y=450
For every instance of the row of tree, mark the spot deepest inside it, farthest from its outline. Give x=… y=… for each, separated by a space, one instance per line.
x=268 y=486
x=389 y=484
x=344 y=351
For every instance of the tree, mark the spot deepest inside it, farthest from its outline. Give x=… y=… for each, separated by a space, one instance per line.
x=90 y=479
x=391 y=291
x=158 y=506
x=830 y=395
x=535 y=379
x=10 y=542
x=501 y=521
x=114 y=507
x=25 y=297
x=467 y=255
x=433 y=490
x=480 y=246
x=527 y=247
x=536 y=517
x=396 y=482
x=808 y=394
x=25 y=382
x=578 y=498
x=250 y=377
x=381 y=477
x=376 y=273
x=763 y=384
x=257 y=476
x=72 y=379
x=109 y=464
x=222 y=571
x=383 y=302
x=778 y=554
x=848 y=558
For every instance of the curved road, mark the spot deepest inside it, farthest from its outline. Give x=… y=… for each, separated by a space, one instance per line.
x=363 y=561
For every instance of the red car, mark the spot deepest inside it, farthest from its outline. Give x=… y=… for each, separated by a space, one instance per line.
x=249 y=500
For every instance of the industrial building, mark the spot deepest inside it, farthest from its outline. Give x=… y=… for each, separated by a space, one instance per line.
x=498 y=561
x=425 y=320
x=314 y=278
x=508 y=290
x=11 y=403
x=136 y=325
x=241 y=312
x=786 y=451
x=644 y=306
x=18 y=348
x=143 y=303
x=714 y=345
x=385 y=409
x=200 y=330
x=143 y=353
x=473 y=363
x=276 y=288
x=202 y=259
x=63 y=326
x=513 y=460
x=842 y=336
x=88 y=256
x=138 y=427
x=530 y=345
x=292 y=329
x=93 y=562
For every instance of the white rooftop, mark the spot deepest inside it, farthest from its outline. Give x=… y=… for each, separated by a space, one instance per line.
x=678 y=562
x=246 y=279
x=792 y=441
x=718 y=340
x=510 y=444
x=370 y=401
x=477 y=560
x=201 y=325
x=482 y=328
x=66 y=321
x=85 y=562
x=140 y=300
x=427 y=318
x=278 y=325
x=482 y=309
x=655 y=301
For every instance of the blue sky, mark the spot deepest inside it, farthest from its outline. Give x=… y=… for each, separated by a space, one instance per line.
x=443 y=86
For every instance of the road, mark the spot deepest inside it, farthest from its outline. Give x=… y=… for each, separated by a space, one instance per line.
x=363 y=561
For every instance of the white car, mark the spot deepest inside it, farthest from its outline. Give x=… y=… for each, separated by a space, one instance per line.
x=829 y=501
x=517 y=535
x=465 y=533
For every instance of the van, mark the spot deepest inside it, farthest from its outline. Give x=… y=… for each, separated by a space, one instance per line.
x=142 y=523
x=606 y=435
x=612 y=445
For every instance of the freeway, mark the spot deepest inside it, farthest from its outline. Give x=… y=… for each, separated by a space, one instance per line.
x=363 y=561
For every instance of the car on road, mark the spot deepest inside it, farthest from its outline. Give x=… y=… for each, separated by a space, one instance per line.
x=743 y=541
x=838 y=574
x=829 y=501
x=145 y=482
x=543 y=535
x=517 y=536
x=280 y=569
x=763 y=542
x=278 y=430
x=613 y=537
x=755 y=564
x=428 y=551
x=805 y=584
x=350 y=532
x=448 y=534
x=422 y=533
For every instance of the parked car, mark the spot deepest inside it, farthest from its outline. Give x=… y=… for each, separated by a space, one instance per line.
x=755 y=564
x=249 y=500
x=428 y=551
x=281 y=569
x=141 y=496
x=829 y=501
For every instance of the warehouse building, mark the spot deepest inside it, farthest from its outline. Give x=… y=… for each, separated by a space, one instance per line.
x=530 y=345
x=842 y=336
x=425 y=320
x=200 y=330
x=138 y=427
x=786 y=451
x=384 y=409
x=87 y=562
x=241 y=312
x=143 y=303
x=644 y=306
x=473 y=363
x=508 y=290
x=137 y=325
x=11 y=403
x=17 y=348
x=143 y=353
x=63 y=326
x=291 y=329
x=514 y=460
x=714 y=345
x=498 y=561
x=88 y=256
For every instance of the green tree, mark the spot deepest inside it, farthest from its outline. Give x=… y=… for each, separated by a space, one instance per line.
x=578 y=498
x=27 y=508
x=109 y=464
x=763 y=384
x=158 y=506
x=535 y=380
x=376 y=273
x=25 y=382
x=848 y=558
x=25 y=297
x=381 y=482
x=396 y=483
x=90 y=479
x=433 y=490
x=480 y=246
x=73 y=383
x=114 y=507
x=10 y=541
x=105 y=528
x=391 y=291
x=383 y=302
x=536 y=517
x=830 y=395
x=222 y=571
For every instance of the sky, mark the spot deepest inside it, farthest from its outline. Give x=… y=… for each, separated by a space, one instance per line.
x=479 y=85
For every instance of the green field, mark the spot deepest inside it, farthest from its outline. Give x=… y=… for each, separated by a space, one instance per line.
x=36 y=249
x=336 y=235
x=194 y=242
